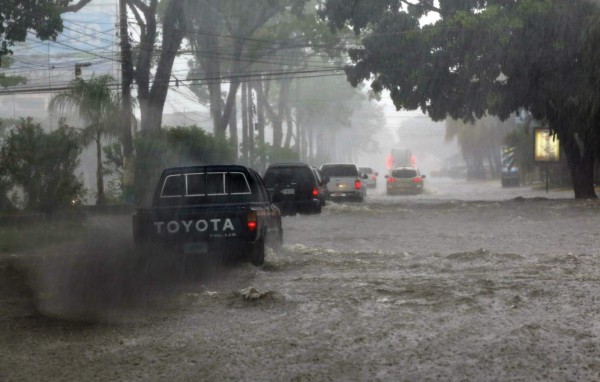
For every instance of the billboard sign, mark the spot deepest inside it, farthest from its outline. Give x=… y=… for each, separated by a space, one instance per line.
x=546 y=146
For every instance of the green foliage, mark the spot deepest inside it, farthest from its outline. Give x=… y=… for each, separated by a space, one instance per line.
x=521 y=140
x=95 y=102
x=6 y=62
x=113 y=168
x=18 y=16
x=280 y=154
x=6 y=81
x=194 y=145
x=489 y=57
x=43 y=165
x=99 y=107
x=170 y=147
x=5 y=182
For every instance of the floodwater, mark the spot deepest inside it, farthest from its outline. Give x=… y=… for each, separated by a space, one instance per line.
x=467 y=281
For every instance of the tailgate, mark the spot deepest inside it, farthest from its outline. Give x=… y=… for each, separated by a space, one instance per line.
x=337 y=184
x=290 y=192
x=204 y=225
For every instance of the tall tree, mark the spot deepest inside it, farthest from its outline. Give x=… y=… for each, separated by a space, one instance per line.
x=340 y=119
x=481 y=57
x=161 y=34
x=99 y=108
x=17 y=17
x=234 y=39
x=480 y=141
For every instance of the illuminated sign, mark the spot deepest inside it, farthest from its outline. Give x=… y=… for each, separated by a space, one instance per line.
x=546 y=146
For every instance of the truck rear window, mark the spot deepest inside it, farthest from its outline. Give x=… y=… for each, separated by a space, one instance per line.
x=404 y=173
x=205 y=184
x=339 y=170
x=288 y=175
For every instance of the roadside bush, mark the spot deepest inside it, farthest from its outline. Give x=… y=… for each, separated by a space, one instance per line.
x=5 y=185
x=43 y=165
x=113 y=169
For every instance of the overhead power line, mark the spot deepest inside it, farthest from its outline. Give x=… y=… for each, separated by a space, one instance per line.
x=297 y=74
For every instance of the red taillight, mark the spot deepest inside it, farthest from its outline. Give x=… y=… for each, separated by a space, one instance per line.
x=417 y=180
x=251 y=222
x=357 y=185
x=315 y=191
x=391 y=180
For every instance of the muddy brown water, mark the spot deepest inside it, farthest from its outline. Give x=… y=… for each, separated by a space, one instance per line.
x=393 y=289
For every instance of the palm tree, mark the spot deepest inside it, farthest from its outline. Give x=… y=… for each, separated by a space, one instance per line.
x=98 y=108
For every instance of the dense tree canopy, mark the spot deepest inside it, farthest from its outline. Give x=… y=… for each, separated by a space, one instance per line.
x=17 y=17
x=484 y=57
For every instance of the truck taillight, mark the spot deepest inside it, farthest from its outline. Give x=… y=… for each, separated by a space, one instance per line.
x=315 y=191
x=251 y=221
x=357 y=185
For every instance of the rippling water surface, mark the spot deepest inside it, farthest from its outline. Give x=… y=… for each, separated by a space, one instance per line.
x=467 y=281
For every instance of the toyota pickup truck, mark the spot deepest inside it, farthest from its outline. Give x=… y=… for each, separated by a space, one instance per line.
x=200 y=210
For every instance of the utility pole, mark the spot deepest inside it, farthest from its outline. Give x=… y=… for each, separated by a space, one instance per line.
x=126 y=80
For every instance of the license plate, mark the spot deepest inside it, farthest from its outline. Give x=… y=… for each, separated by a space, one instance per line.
x=195 y=247
x=338 y=194
x=288 y=191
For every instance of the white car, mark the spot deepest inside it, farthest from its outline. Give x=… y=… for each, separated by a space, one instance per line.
x=405 y=180
x=344 y=182
x=371 y=180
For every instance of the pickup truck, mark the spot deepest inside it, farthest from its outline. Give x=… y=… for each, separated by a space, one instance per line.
x=200 y=210
x=344 y=181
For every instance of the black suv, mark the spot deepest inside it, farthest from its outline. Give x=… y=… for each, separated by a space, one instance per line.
x=295 y=188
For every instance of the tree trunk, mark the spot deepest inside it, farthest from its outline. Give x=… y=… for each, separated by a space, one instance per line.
x=100 y=197
x=233 y=133
x=260 y=111
x=228 y=107
x=276 y=121
x=152 y=101
x=311 y=144
x=126 y=80
x=244 y=123
x=580 y=165
x=250 y=144
x=299 y=138
x=284 y=111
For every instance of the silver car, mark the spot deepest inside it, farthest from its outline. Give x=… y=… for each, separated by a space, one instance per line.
x=404 y=180
x=371 y=180
x=344 y=182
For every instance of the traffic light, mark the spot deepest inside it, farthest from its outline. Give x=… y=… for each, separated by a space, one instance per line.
x=79 y=66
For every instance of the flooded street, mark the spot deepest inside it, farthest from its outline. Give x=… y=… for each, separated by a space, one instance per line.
x=467 y=281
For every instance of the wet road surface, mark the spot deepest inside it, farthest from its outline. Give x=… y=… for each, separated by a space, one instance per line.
x=464 y=282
